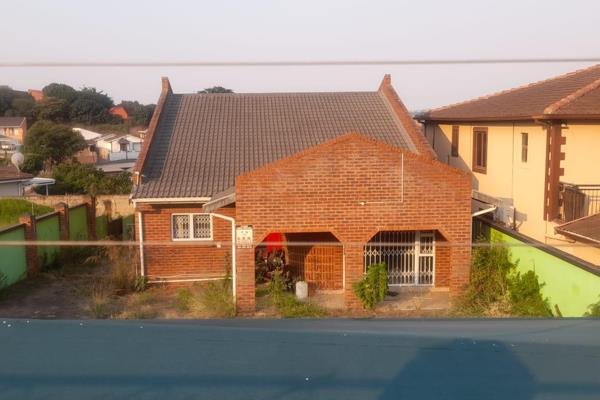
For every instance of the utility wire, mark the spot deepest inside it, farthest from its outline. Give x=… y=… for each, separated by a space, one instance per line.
x=293 y=63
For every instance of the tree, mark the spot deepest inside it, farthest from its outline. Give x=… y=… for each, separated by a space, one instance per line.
x=139 y=114
x=22 y=106
x=52 y=109
x=216 y=89
x=60 y=91
x=75 y=178
x=91 y=107
x=50 y=143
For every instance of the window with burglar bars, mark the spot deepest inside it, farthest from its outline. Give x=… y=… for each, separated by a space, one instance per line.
x=191 y=227
x=408 y=255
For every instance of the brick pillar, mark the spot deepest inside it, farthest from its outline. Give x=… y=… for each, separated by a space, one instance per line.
x=460 y=264
x=63 y=220
x=28 y=221
x=91 y=217
x=245 y=281
x=354 y=272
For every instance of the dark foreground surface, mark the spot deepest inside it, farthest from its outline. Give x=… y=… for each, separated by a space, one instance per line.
x=285 y=359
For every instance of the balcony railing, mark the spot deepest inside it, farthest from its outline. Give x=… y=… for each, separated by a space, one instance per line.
x=578 y=201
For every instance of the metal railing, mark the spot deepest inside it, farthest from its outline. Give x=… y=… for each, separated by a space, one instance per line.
x=578 y=200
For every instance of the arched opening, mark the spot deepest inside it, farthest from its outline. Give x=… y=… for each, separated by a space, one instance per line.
x=410 y=256
x=314 y=257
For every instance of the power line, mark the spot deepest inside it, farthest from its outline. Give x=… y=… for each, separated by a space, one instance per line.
x=293 y=63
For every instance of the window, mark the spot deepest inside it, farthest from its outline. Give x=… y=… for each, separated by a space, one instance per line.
x=123 y=146
x=524 y=146
x=480 y=139
x=191 y=227
x=455 y=131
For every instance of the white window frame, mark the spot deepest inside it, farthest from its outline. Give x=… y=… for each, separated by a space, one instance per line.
x=191 y=222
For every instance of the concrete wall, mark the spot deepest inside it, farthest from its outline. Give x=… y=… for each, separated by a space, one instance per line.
x=115 y=205
x=566 y=285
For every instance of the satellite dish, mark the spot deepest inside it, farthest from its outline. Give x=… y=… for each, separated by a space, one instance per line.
x=17 y=159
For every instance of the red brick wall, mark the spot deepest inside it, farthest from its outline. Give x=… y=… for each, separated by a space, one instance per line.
x=321 y=190
x=182 y=259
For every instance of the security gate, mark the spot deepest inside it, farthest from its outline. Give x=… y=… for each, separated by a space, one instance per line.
x=408 y=255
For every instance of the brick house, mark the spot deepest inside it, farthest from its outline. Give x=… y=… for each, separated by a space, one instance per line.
x=333 y=176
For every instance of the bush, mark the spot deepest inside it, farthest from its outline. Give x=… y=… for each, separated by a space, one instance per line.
x=526 y=297
x=373 y=287
x=123 y=276
x=290 y=307
x=488 y=285
x=593 y=310
x=217 y=299
x=496 y=288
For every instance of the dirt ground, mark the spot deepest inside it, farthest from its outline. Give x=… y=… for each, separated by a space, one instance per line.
x=69 y=293
x=72 y=293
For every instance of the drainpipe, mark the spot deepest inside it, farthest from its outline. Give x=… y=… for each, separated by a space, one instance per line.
x=485 y=211
x=233 y=266
x=141 y=234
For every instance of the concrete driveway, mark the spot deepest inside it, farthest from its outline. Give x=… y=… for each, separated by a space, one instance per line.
x=301 y=359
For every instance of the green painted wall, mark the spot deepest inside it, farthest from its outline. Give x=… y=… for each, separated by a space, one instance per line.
x=570 y=287
x=128 y=228
x=101 y=227
x=47 y=229
x=13 y=261
x=78 y=223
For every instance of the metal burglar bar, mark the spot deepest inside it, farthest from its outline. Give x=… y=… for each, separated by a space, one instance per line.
x=408 y=255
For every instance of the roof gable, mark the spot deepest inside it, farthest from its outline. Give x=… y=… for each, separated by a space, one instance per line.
x=203 y=141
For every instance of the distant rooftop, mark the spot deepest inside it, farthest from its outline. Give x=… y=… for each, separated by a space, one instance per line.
x=11 y=122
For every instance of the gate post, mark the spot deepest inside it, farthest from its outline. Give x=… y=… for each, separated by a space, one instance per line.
x=245 y=281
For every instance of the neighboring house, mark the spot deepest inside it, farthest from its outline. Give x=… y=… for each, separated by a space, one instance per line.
x=111 y=152
x=119 y=111
x=534 y=154
x=347 y=171
x=118 y=147
x=8 y=146
x=13 y=181
x=14 y=128
x=37 y=95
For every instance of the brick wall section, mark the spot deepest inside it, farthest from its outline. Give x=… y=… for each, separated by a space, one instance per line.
x=442 y=262
x=182 y=259
x=320 y=190
x=63 y=220
x=28 y=222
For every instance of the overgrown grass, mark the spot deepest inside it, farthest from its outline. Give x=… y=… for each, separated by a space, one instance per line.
x=287 y=304
x=497 y=289
x=12 y=209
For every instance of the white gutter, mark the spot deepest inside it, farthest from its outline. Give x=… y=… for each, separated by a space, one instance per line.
x=141 y=231
x=233 y=266
x=485 y=211
x=159 y=200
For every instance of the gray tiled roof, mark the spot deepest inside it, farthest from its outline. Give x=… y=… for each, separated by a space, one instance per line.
x=203 y=141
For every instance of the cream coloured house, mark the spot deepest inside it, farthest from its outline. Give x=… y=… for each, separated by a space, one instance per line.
x=534 y=153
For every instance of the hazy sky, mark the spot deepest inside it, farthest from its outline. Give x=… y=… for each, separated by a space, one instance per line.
x=177 y=30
